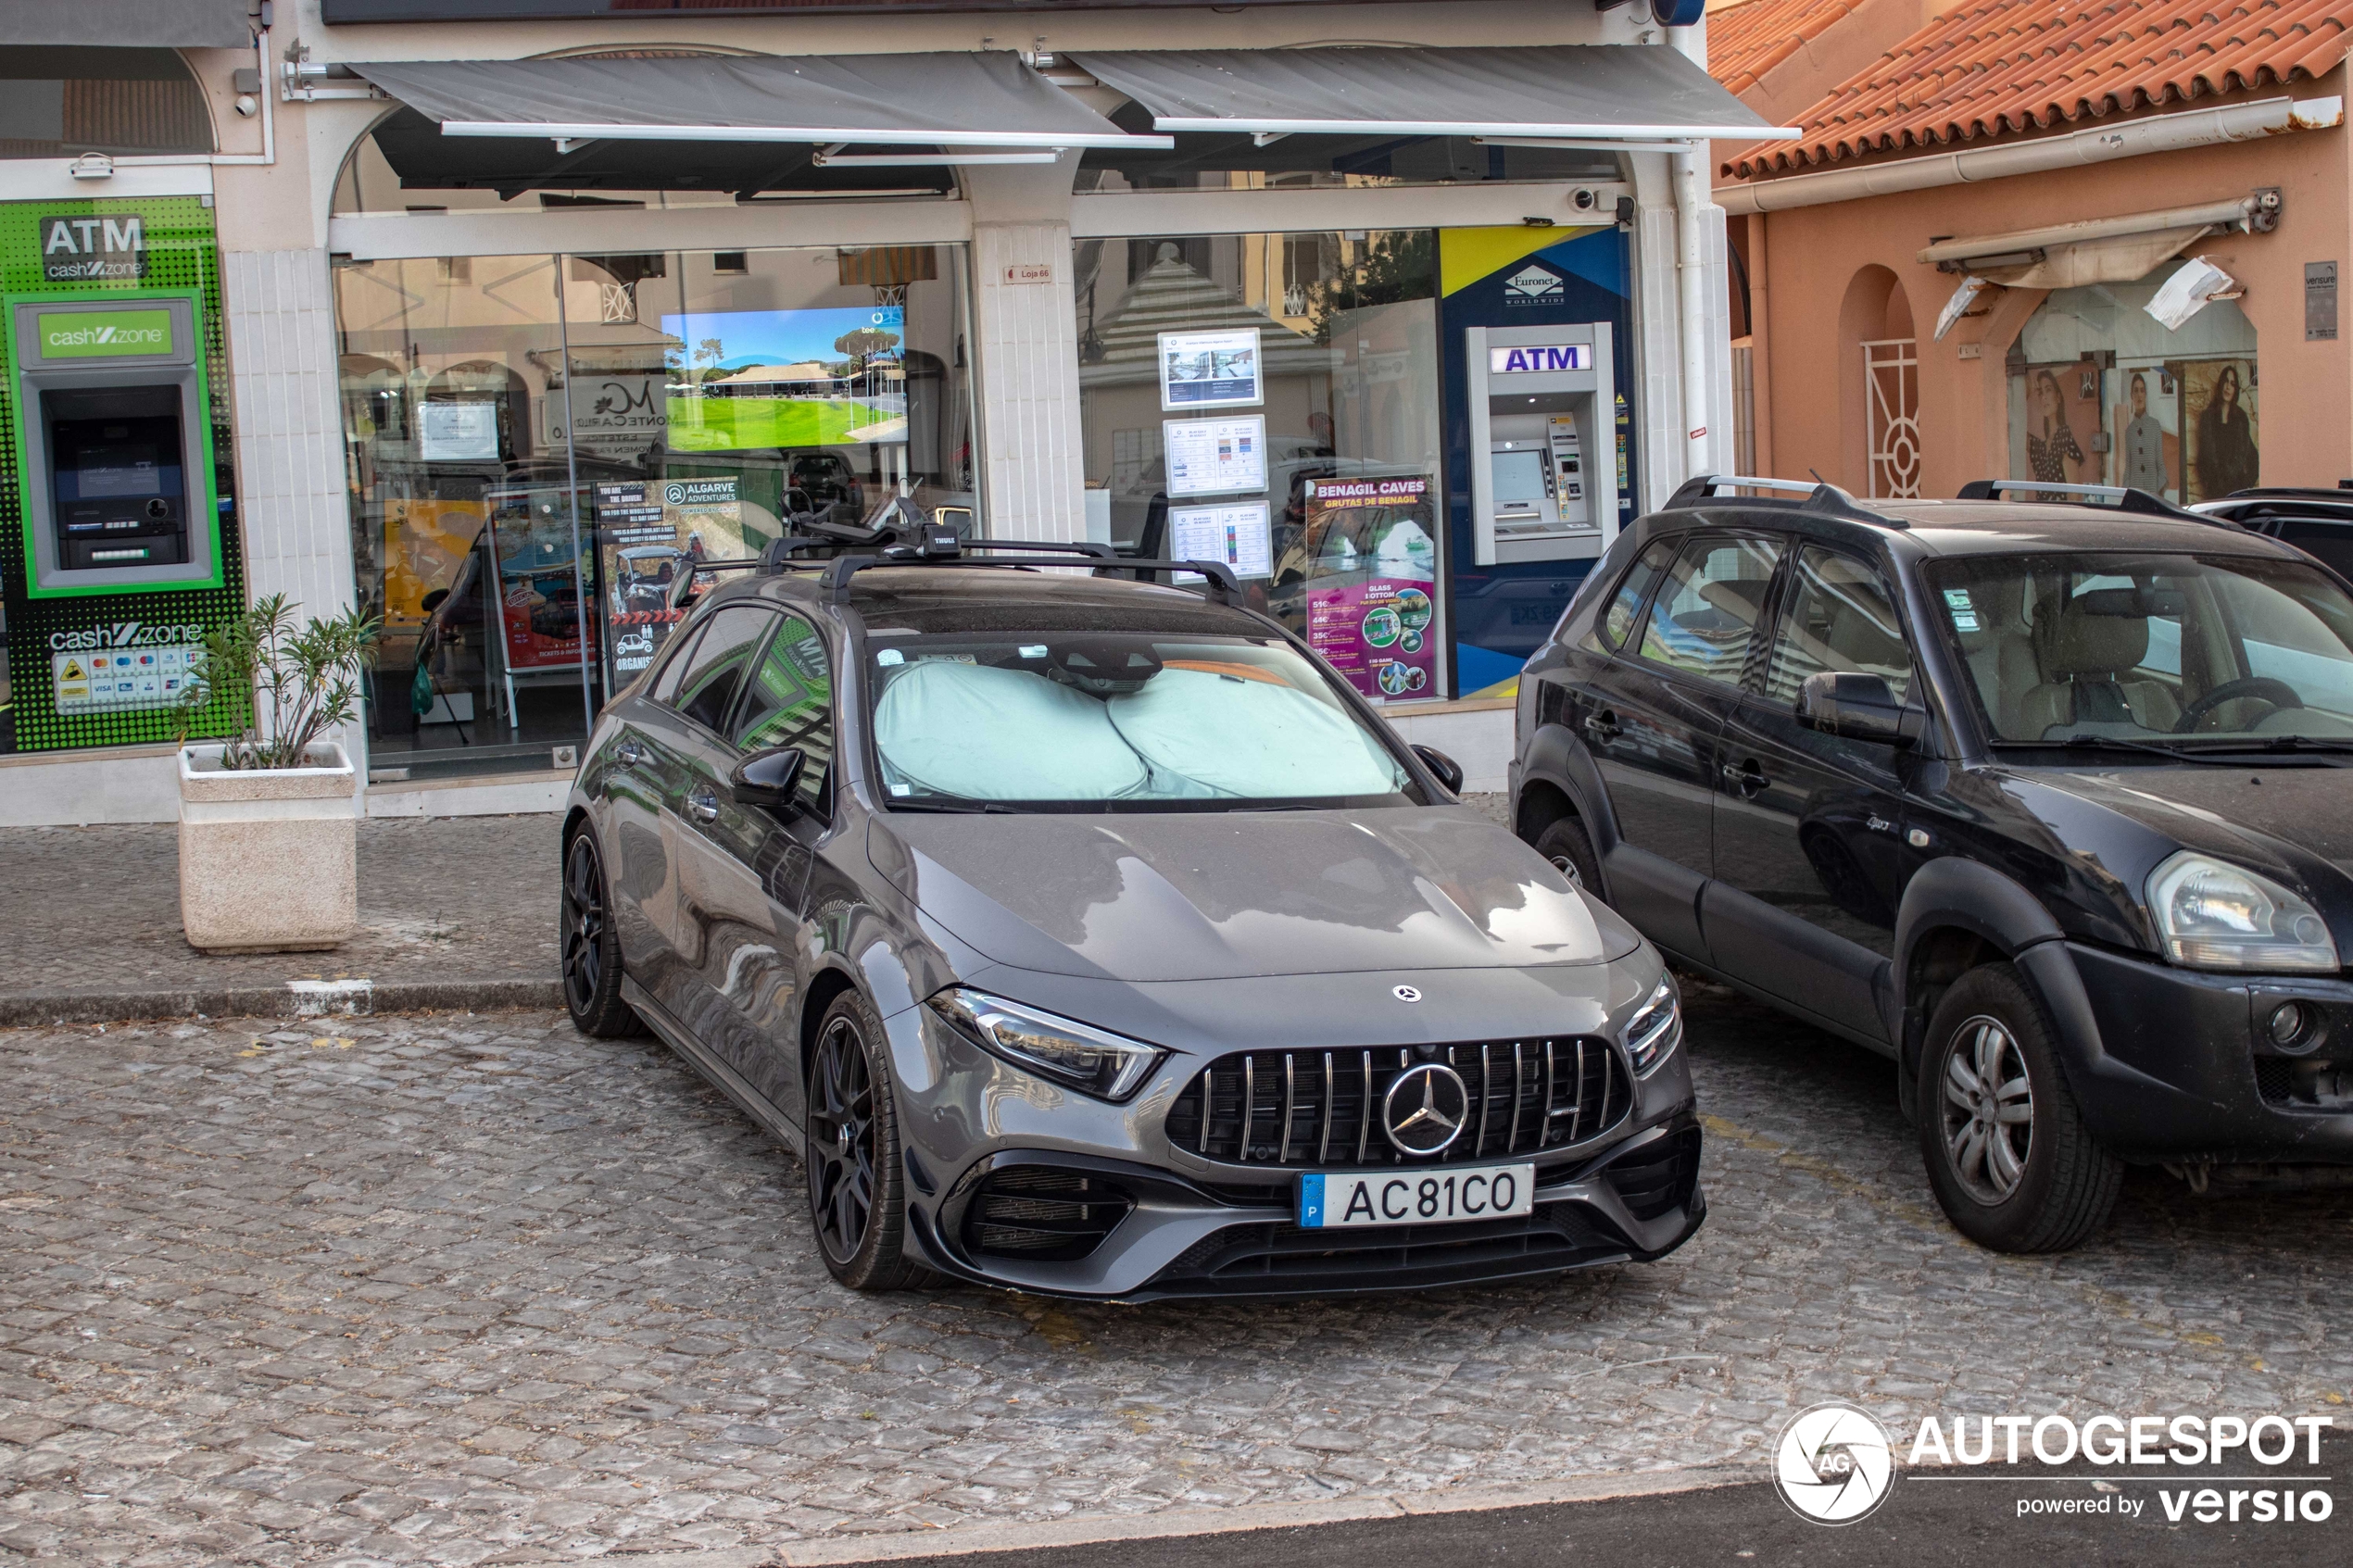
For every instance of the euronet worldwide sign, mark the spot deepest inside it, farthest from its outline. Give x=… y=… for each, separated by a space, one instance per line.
x=98 y=335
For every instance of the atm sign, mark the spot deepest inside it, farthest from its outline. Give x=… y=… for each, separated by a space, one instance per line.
x=99 y=334
x=1543 y=358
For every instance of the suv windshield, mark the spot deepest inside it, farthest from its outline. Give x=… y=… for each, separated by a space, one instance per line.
x=1060 y=720
x=2194 y=650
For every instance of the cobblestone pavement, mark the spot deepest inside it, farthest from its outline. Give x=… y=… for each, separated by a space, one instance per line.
x=97 y=908
x=475 y=1289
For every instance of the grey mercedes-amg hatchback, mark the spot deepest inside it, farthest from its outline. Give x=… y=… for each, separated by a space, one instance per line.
x=1087 y=935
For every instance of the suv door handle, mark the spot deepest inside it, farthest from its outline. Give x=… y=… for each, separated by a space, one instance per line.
x=629 y=754
x=703 y=806
x=1747 y=780
x=1602 y=726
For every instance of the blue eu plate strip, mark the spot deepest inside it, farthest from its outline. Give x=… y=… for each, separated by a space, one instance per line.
x=1311 y=1201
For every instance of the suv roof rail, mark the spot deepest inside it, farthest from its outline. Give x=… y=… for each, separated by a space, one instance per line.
x=2122 y=498
x=1820 y=495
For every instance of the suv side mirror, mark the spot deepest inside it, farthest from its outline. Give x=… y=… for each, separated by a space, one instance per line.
x=1449 y=772
x=768 y=779
x=1856 y=706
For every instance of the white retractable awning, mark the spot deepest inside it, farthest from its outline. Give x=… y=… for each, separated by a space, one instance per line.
x=929 y=100
x=1560 y=92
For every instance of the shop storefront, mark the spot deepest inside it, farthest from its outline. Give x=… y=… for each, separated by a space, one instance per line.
x=1393 y=332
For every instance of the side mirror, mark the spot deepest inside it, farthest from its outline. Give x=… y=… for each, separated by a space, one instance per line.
x=1449 y=772
x=768 y=779
x=1856 y=707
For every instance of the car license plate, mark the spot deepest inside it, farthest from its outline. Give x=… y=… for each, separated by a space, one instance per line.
x=1333 y=1199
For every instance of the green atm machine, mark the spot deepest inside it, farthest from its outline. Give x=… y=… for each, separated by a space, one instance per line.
x=114 y=444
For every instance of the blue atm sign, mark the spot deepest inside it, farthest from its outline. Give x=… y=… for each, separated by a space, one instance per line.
x=1539 y=358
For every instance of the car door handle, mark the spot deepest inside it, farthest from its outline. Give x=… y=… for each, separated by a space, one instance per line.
x=629 y=754
x=1747 y=780
x=703 y=806
x=1602 y=726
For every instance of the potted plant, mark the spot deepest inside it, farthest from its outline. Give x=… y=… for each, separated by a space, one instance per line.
x=269 y=817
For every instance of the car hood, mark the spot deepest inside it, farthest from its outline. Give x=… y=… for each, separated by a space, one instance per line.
x=1216 y=894
x=2272 y=819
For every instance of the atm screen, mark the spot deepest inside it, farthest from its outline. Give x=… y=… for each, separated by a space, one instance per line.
x=116 y=470
x=1519 y=480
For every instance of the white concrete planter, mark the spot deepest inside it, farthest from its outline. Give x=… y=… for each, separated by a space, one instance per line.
x=269 y=857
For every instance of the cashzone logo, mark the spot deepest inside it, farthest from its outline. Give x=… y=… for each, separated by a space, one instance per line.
x=96 y=334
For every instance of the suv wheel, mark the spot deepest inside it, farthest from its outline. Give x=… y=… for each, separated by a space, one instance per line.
x=1565 y=843
x=589 y=946
x=2008 y=1152
x=857 y=1200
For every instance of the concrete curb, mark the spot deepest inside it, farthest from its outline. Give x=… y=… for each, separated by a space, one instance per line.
x=295 y=998
x=921 y=1544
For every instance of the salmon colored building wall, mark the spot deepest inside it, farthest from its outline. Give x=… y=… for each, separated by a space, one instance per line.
x=1815 y=257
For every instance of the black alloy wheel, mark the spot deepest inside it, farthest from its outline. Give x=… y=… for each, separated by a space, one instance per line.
x=857 y=1202
x=590 y=945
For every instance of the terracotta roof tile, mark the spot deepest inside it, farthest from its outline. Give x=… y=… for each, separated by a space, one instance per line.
x=1747 y=39
x=1999 y=67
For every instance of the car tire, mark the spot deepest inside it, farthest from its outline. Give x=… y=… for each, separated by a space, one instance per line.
x=2008 y=1155
x=857 y=1179
x=1565 y=845
x=588 y=944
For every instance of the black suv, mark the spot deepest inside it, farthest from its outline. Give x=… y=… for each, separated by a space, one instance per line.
x=2040 y=800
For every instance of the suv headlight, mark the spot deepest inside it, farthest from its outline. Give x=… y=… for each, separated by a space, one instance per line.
x=1085 y=1059
x=2211 y=914
x=1655 y=1028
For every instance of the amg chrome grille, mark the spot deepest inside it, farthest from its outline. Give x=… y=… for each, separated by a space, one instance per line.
x=1324 y=1107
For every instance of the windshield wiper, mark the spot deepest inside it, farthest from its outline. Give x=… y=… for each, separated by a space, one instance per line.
x=968 y=807
x=2103 y=742
x=2304 y=744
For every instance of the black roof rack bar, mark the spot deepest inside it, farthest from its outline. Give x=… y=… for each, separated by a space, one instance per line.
x=1821 y=495
x=683 y=588
x=1220 y=581
x=2124 y=498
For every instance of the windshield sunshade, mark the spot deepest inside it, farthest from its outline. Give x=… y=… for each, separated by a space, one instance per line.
x=1077 y=720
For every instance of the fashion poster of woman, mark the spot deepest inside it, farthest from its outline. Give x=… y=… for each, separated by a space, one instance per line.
x=2062 y=413
x=2146 y=425
x=2217 y=417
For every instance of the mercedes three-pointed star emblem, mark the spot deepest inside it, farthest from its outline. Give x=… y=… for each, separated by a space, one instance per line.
x=1425 y=1109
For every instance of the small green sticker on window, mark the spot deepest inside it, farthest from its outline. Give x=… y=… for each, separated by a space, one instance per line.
x=1964 y=613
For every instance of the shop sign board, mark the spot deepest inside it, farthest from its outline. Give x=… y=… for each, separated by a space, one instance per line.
x=1212 y=370
x=1235 y=532
x=89 y=247
x=619 y=417
x=1215 y=456
x=2320 y=302
x=1372 y=599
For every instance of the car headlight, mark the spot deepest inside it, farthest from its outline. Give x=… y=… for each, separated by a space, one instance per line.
x=1106 y=1066
x=1655 y=1028
x=2211 y=914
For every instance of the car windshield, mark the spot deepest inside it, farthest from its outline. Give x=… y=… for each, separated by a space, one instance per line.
x=1064 y=722
x=2188 y=652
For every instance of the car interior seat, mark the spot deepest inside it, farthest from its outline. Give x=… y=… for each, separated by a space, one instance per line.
x=2083 y=650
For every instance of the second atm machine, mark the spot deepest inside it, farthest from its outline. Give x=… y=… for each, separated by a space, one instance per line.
x=1543 y=413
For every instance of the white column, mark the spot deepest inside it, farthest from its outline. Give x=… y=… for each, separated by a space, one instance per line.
x=1028 y=370
x=292 y=505
x=292 y=510
x=1027 y=349
x=1658 y=412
